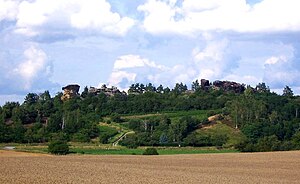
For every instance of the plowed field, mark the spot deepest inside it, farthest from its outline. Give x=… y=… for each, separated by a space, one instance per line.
x=276 y=167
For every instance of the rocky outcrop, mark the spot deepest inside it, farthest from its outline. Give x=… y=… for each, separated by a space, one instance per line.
x=229 y=86
x=70 y=91
x=106 y=90
x=204 y=84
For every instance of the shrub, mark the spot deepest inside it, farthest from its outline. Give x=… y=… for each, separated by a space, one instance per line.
x=104 y=137
x=131 y=141
x=116 y=118
x=81 y=137
x=58 y=147
x=150 y=151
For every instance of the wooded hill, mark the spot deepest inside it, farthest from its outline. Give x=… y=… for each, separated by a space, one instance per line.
x=261 y=120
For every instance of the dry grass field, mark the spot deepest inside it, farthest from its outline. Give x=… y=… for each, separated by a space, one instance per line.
x=276 y=167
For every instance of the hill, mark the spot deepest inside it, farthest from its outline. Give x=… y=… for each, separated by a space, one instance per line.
x=158 y=116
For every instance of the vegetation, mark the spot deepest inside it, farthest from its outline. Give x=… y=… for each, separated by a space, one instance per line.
x=250 y=119
x=150 y=151
x=58 y=147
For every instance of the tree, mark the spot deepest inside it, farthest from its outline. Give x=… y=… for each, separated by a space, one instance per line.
x=179 y=88
x=55 y=122
x=150 y=88
x=178 y=131
x=58 y=147
x=262 y=88
x=31 y=99
x=85 y=92
x=8 y=108
x=287 y=91
x=28 y=136
x=160 y=89
x=196 y=85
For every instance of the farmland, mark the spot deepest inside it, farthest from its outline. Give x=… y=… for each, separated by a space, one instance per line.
x=275 y=167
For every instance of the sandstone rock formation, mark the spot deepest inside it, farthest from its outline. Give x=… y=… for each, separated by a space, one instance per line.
x=106 y=90
x=70 y=91
x=229 y=86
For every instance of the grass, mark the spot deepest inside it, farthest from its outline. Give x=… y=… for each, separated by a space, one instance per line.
x=93 y=149
x=234 y=135
x=161 y=151
x=174 y=116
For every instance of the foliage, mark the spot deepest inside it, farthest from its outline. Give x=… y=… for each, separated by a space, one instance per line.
x=258 y=119
x=150 y=151
x=58 y=147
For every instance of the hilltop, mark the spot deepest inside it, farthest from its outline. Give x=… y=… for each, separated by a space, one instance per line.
x=249 y=118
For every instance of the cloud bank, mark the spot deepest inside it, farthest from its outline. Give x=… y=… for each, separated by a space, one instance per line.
x=30 y=74
x=193 y=16
x=45 y=42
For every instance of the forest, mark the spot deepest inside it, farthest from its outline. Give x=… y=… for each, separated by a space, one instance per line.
x=262 y=120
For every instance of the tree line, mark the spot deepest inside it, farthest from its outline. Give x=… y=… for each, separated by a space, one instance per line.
x=269 y=121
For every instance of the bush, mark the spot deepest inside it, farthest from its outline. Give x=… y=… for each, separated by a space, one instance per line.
x=131 y=141
x=116 y=118
x=104 y=137
x=58 y=148
x=150 y=151
x=81 y=137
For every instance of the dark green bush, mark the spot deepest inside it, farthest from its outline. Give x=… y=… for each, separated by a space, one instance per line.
x=58 y=148
x=150 y=151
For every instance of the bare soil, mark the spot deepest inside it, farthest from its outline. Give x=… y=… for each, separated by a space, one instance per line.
x=275 y=167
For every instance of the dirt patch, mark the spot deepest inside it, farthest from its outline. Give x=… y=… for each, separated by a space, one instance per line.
x=277 y=167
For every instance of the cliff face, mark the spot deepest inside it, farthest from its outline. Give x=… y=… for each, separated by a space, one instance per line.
x=223 y=85
x=70 y=91
x=229 y=86
x=106 y=90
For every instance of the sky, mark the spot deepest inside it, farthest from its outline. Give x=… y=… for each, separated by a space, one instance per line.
x=46 y=44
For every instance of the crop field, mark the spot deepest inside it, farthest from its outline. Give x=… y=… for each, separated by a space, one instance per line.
x=275 y=167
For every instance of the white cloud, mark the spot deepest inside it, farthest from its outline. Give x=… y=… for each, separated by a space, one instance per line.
x=30 y=74
x=282 y=70
x=8 y=9
x=216 y=60
x=274 y=60
x=213 y=62
x=36 y=17
x=129 y=69
x=245 y=79
x=210 y=15
x=133 y=61
x=36 y=63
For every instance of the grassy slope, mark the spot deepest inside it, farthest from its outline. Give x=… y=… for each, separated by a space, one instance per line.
x=233 y=134
x=200 y=114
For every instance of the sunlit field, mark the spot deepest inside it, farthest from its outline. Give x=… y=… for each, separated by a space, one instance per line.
x=275 y=167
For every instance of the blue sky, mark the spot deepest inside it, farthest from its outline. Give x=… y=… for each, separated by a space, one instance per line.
x=46 y=44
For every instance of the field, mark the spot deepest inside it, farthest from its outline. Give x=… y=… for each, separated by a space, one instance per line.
x=276 y=167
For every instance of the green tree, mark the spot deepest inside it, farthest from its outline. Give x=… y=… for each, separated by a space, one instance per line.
x=287 y=91
x=262 y=88
x=196 y=85
x=58 y=147
x=29 y=135
x=31 y=98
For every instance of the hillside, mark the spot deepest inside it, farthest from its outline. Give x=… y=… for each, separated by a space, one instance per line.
x=256 y=119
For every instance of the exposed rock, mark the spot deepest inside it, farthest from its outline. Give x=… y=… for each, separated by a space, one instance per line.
x=229 y=86
x=70 y=91
x=107 y=91
x=204 y=84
